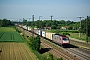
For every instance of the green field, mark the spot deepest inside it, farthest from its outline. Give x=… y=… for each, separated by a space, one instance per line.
x=76 y=35
x=11 y=37
x=7 y=29
x=9 y=34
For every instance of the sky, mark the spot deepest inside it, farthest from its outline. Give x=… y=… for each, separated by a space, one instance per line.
x=60 y=9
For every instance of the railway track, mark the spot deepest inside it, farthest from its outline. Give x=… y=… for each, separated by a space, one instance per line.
x=77 y=53
x=81 y=53
x=80 y=44
x=56 y=51
x=72 y=54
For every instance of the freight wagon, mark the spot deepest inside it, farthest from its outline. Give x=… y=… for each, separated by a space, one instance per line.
x=49 y=35
x=57 y=38
x=43 y=34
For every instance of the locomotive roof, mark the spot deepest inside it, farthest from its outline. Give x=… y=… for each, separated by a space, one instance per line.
x=60 y=35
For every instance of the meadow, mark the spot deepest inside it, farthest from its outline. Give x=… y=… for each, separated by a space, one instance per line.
x=9 y=34
x=7 y=29
x=76 y=35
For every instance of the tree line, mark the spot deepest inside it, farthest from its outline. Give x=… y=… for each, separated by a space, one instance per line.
x=54 y=24
x=57 y=24
x=5 y=23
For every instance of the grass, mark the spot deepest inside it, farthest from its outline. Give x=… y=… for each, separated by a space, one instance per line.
x=76 y=35
x=10 y=37
x=7 y=29
x=9 y=34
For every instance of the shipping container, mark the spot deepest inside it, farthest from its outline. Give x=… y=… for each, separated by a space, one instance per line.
x=40 y=32
x=43 y=33
x=25 y=27
x=29 y=28
x=49 y=35
x=35 y=30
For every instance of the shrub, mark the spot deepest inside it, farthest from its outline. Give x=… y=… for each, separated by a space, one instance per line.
x=65 y=33
x=34 y=43
x=70 y=31
x=59 y=59
x=50 y=57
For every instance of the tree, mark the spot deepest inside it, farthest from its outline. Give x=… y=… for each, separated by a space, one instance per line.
x=77 y=25
x=83 y=29
x=24 y=21
x=5 y=23
x=50 y=57
x=1 y=23
x=70 y=27
x=34 y=43
x=37 y=43
x=53 y=27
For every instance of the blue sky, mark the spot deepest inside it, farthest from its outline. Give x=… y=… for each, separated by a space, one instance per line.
x=60 y=9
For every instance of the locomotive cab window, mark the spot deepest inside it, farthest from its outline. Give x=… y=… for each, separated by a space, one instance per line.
x=65 y=39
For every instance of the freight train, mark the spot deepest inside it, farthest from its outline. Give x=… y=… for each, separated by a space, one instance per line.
x=57 y=38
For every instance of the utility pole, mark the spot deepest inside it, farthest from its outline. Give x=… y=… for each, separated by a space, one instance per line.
x=87 y=29
x=51 y=21
x=29 y=19
x=80 y=26
x=33 y=26
x=39 y=22
x=28 y=22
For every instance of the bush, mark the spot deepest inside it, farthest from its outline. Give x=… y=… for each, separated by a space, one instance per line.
x=54 y=31
x=50 y=57
x=65 y=33
x=34 y=43
x=59 y=59
x=70 y=31
x=39 y=55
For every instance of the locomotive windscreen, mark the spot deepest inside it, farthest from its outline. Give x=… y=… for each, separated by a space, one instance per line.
x=65 y=38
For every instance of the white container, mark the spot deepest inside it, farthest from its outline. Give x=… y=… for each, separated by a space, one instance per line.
x=43 y=33
x=40 y=32
x=37 y=32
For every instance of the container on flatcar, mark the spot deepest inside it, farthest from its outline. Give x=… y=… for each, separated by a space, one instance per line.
x=29 y=28
x=20 y=26
x=35 y=30
x=39 y=32
x=25 y=27
x=49 y=35
x=43 y=34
